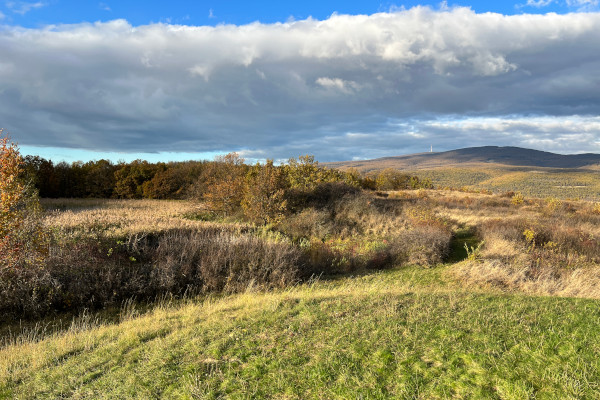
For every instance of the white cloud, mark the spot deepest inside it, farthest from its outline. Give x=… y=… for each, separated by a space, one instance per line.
x=338 y=84
x=583 y=5
x=2 y=16
x=539 y=3
x=104 y=6
x=580 y=3
x=301 y=86
x=22 y=7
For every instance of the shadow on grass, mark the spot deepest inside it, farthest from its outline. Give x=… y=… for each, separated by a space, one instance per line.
x=463 y=236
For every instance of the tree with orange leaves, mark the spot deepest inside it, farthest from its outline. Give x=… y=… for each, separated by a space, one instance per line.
x=21 y=235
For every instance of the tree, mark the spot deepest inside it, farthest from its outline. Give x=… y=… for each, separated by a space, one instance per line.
x=21 y=233
x=224 y=184
x=130 y=179
x=264 y=193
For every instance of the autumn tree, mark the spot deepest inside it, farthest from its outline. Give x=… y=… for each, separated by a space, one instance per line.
x=21 y=235
x=224 y=184
x=130 y=179
x=264 y=194
x=306 y=173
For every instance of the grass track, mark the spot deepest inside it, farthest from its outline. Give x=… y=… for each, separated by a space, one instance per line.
x=407 y=333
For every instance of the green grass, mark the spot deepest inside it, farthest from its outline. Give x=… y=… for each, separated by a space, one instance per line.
x=409 y=333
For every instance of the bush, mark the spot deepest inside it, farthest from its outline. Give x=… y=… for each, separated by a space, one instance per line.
x=99 y=272
x=22 y=239
x=517 y=199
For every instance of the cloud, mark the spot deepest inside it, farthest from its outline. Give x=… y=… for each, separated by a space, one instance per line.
x=539 y=3
x=2 y=16
x=338 y=84
x=104 y=7
x=345 y=87
x=573 y=134
x=22 y=7
x=583 y=5
x=211 y=14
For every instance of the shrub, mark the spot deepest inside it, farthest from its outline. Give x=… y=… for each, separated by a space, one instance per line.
x=264 y=194
x=94 y=272
x=553 y=204
x=423 y=245
x=224 y=184
x=22 y=239
x=517 y=199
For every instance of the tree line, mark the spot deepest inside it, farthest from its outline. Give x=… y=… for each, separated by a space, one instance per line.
x=216 y=181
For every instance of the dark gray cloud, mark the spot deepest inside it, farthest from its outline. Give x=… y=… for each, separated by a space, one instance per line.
x=347 y=87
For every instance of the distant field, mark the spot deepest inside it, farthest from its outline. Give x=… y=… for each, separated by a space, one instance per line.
x=499 y=169
x=534 y=182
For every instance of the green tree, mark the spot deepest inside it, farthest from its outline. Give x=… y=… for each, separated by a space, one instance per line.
x=130 y=179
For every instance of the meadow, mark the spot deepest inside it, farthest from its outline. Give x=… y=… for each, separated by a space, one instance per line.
x=564 y=183
x=397 y=294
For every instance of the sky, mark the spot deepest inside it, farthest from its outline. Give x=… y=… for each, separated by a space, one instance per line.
x=180 y=80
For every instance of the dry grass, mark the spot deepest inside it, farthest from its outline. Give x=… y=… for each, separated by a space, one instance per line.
x=119 y=218
x=515 y=277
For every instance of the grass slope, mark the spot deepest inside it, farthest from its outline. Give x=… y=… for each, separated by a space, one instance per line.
x=405 y=333
x=499 y=169
x=533 y=182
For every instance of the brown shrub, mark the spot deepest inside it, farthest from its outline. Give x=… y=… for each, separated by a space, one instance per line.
x=97 y=272
x=425 y=245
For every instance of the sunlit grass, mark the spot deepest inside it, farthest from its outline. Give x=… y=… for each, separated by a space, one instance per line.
x=403 y=334
x=531 y=181
x=121 y=217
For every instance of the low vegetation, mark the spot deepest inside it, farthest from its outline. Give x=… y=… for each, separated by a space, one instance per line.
x=297 y=281
x=403 y=333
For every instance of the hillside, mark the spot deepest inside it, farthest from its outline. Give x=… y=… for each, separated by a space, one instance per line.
x=498 y=169
x=507 y=156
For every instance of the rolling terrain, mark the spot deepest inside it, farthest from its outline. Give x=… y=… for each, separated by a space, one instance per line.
x=509 y=312
x=499 y=169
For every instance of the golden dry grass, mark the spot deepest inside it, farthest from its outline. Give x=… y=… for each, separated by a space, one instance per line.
x=119 y=218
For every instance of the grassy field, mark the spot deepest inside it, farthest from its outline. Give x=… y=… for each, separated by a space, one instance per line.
x=515 y=315
x=407 y=333
x=534 y=173
x=534 y=182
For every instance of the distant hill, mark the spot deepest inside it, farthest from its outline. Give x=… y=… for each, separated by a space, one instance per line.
x=508 y=156
x=499 y=169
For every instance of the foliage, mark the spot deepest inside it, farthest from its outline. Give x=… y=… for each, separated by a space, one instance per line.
x=517 y=199
x=304 y=173
x=130 y=179
x=225 y=184
x=392 y=179
x=264 y=194
x=474 y=253
x=21 y=236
